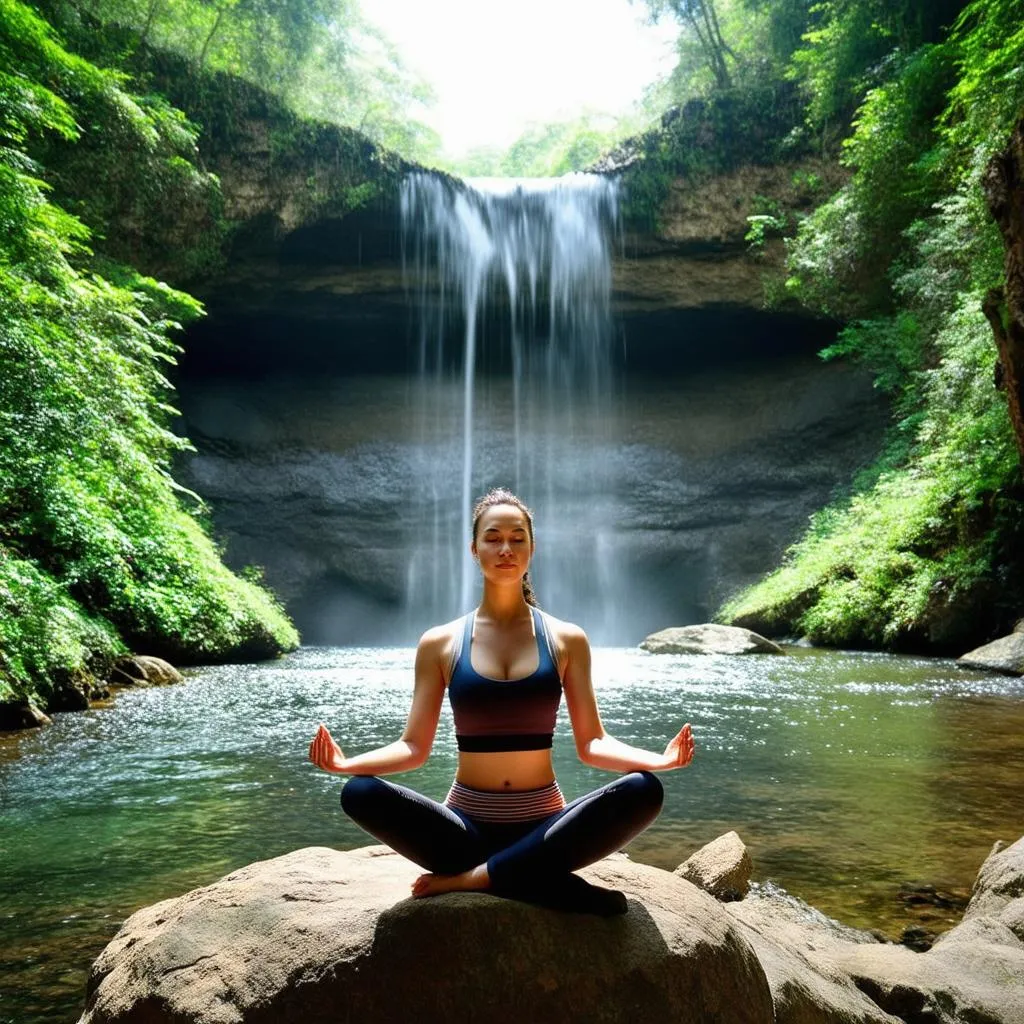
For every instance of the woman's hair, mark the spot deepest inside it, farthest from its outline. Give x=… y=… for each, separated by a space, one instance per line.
x=503 y=496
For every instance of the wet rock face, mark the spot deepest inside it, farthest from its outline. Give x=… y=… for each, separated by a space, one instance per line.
x=316 y=283
x=299 y=390
x=699 y=256
x=713 y=474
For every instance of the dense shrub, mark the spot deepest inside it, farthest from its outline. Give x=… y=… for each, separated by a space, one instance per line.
x=96 y=548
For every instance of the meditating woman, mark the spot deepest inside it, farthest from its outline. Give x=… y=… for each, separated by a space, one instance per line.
x=504 y=826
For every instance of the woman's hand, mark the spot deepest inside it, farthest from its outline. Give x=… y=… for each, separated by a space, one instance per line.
x=679 y=752
x=324 y=752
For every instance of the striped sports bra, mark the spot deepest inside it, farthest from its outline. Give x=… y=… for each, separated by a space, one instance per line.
x=499 y=714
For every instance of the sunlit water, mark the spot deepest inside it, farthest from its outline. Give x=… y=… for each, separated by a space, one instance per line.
x=846 y=775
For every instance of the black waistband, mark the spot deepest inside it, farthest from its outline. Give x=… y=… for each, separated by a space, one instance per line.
x=508 y=741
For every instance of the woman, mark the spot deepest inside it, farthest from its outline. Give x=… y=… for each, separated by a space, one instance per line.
x=504 y=826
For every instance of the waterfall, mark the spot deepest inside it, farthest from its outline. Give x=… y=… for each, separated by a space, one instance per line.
x=510 y=282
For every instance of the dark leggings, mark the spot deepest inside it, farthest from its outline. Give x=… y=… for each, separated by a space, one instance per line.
x=519 y=855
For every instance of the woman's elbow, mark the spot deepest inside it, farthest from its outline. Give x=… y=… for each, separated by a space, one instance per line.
x=418 y=753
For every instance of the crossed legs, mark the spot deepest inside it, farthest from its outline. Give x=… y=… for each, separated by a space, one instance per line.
x=521 y=859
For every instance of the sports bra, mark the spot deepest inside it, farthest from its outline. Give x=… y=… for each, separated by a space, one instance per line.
x=504 y=714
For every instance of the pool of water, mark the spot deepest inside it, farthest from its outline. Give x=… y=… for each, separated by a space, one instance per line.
x=847 y=775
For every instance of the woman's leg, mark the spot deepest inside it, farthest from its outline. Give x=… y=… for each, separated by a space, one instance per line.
x=426 y=832
x=584 y=831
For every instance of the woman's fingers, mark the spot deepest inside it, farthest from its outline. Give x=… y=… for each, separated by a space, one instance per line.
x=317 y=749
x=324 y=752
x=685 y=745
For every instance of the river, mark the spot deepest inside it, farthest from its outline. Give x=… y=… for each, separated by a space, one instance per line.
x=848 y=775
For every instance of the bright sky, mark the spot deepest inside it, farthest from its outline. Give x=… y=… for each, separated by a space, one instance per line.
x=497 y=65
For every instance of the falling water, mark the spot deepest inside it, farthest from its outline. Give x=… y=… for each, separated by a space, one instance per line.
x=511 y=282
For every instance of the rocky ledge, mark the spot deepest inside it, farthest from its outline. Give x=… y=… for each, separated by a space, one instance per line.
x=1004 y=655
x=318 y=936
x=80 y=689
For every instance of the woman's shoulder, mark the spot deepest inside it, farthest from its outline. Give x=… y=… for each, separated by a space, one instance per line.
x=441 y=638
x=564 y=634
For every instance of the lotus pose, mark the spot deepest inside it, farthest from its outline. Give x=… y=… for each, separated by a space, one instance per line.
x=504 y=825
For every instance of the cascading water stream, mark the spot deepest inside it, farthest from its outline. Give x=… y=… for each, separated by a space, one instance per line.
x=511 y=283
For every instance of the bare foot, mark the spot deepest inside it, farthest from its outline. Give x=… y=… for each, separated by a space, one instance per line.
x=467 y=881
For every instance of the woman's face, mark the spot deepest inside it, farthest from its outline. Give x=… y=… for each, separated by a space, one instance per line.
x=503 y=544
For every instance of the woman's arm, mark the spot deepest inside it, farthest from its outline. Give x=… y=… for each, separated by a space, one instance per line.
x=413 y=748
x=593 y=745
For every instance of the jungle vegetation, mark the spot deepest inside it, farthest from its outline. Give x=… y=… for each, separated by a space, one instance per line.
x=100 y=550
x=914 y=98
x=322 y=58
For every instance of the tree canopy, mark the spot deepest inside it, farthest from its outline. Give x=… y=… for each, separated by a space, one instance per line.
x=322 y=57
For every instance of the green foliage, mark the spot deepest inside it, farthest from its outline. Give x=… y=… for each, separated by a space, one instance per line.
x=46 y=638
x=749 y=124
x=551 y=150
x=768 y=220
x=754 y=114
x=841 y=254
x=904 y=561
x=703 y=35
x=91 y=529
x=988 y=43
x=927 y=550
x=122 y=158
x=845 y=45
x=893 y=348
x=319 y=56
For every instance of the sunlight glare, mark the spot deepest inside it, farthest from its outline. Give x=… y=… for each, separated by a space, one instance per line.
x=498 y=66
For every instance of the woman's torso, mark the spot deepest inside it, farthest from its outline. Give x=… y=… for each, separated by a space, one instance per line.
x=504 y=656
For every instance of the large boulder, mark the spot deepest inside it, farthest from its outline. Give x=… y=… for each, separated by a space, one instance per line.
x=708 y=638
x=793 y=943
x=1003 y=655
x=722 y=868
x=821 y=972
x=974 y=972
x=144 y=670
x=21 y=714
x=999 y=888
x=319 y=936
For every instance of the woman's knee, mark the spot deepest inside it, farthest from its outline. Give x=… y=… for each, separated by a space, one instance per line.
x=646 y=790
x=360 y=793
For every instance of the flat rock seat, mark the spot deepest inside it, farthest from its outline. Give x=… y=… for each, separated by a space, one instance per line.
x=319 y=936
x=322 y=936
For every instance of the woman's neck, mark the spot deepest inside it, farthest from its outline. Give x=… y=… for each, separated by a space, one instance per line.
x=503 y=604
